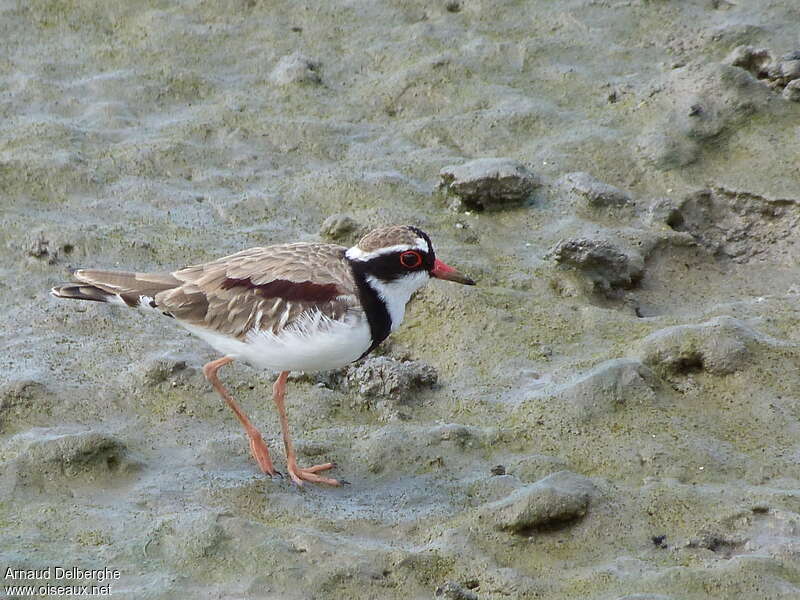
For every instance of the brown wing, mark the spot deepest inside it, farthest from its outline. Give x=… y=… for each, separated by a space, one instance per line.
x=263 y=288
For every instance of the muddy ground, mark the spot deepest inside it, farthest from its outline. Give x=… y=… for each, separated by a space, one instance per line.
x=616 y=412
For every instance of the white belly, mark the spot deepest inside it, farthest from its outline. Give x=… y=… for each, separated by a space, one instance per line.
x=315 y=344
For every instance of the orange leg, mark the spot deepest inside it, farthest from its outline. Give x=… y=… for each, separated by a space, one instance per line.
x=257 y=446
x=297 y=474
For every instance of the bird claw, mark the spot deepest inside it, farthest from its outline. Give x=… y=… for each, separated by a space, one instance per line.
x=300 y=475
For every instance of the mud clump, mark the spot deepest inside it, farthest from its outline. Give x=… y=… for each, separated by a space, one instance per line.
x=186 y=538
x=19 y=392
x=556 y=500
x=666 y=150
x=158 y=370
x=610 y=387
x=664 y=211
x=40 y=458
x=38 y=246
x=724 y=545
x=341 y=227
x=592 y=191
x=753 y=60
x=760 y=63
x=740 y=225
x=719 y=347
x=489 y=183
x=296 y=68
x=23 y=400
x=756 y=531
x=46 y=247
x=530 y=468
x=700 y=105
x=604 y=265
x=387 y=380
x=451 y=590
x=426 y=448
x=792 y=91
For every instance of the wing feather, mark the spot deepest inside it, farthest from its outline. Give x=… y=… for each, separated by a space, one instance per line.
x=268 y=288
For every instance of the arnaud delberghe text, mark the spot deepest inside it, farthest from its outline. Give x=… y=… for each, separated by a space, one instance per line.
x=58 y=573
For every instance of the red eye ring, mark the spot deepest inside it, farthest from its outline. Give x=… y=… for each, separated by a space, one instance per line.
x=410 y=259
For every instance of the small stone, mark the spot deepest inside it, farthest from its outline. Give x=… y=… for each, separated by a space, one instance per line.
x=792 y=91
x=498 y=470
x=489 y=183
x=339 y=227
x=557 y=499
x=296 y=68
x=594 y=192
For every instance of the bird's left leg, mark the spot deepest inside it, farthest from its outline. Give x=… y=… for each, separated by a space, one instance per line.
x=297 y=474
x=258 y=447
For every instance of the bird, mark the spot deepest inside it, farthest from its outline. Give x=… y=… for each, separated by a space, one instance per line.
x=299 y=306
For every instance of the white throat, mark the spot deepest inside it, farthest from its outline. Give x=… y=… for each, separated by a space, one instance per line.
x=397 y=293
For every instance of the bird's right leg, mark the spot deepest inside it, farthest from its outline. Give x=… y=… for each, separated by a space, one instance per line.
x=257 y=446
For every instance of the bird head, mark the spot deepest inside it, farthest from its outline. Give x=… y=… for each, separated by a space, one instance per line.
x=402 y=253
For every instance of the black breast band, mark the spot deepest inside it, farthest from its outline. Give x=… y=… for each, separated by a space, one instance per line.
x=380 y=323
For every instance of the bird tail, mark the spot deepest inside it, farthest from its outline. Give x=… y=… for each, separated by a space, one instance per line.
x=117 y=287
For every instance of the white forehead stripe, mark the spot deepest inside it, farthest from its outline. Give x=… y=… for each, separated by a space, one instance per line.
x=356 y=253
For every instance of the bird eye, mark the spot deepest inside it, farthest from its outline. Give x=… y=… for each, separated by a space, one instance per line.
x=410 y=259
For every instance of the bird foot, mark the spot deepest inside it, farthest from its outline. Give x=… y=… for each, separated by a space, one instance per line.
x=299 y=475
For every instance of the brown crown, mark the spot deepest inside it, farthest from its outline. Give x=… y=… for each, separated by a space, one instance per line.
x=390 y=235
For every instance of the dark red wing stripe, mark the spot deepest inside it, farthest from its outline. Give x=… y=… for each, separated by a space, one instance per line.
x=292 y=291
